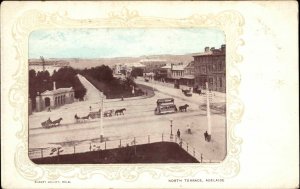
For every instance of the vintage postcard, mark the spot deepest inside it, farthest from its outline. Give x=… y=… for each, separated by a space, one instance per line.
x=149 y=95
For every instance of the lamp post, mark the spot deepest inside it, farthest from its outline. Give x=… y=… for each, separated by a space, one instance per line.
x=171 y=135
x=101 y=118
x=208 y=114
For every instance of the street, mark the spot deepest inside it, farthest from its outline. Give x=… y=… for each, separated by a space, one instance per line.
x=138 y=120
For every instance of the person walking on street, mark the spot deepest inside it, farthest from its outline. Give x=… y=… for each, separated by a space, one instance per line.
x=205 y=135
x=90 y=108
x=178 y=133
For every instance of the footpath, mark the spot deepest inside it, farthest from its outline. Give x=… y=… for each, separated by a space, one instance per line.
x=168 y=89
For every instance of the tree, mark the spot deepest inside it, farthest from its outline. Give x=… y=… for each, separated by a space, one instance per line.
x=32 y=87
x=43 y=81
x=67 y=77
x=128 y=82
x=137 y=72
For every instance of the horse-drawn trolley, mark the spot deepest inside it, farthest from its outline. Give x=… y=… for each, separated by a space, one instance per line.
x=164 y=106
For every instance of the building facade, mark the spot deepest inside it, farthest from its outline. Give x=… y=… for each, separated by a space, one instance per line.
x=210 y=66
x=54 y=98
x=189 y=75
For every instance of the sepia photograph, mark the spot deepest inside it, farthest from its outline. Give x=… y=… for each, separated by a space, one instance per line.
x=127 y=96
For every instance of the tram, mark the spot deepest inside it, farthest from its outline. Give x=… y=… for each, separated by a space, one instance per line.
x=164 y=106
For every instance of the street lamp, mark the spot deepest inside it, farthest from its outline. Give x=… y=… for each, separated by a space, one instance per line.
x=171 y=135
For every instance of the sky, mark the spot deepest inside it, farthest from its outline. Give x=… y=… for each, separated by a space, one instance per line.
x=109 y=43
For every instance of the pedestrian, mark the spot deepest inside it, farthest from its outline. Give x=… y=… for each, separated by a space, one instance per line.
x=90 y=108
x=189 y=131
x=178 y=133
x=122 y=98
x=49 y=110
x=205 y=135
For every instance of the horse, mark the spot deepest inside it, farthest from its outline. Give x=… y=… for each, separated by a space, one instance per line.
x=120 y=111
x=183 y=108
x=76 y=118
x=81 y=118
x=85 y=117
x=56 y=122
x=184 y=91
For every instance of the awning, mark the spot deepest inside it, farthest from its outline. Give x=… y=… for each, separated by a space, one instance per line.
x=188 y=77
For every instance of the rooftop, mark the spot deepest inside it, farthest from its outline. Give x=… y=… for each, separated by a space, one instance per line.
x=57 y=91
x=175 y=67
x=212 y=51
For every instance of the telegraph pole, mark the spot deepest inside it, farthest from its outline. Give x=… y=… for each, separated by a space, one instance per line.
x=101 y=118
x=208 y=114
x=171 y=134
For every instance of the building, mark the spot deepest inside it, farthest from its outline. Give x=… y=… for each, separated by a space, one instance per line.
x=54 y=98
x=40 y=65
x=117 y=69
x=210 y=67
x=127 y=68
x=189 y=75
x=172 y=72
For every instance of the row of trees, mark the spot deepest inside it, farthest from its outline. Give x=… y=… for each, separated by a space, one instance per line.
x=64 y=77
x=102 y=78
x=100 y=73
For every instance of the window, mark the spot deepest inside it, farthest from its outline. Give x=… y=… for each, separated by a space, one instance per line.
x=211 y=81
x=209 y=68
x=203 y=69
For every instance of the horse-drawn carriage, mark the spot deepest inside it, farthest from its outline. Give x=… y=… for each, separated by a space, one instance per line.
x=187 y=92
x=108 y=113
x=49 y=124
x=93 y=115
x=96 y=114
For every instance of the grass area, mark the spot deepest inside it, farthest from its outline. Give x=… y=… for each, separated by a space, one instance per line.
x=114 y=89
x=160 y=152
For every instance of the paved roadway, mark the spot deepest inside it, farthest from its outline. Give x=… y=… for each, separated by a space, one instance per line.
x=139 y=120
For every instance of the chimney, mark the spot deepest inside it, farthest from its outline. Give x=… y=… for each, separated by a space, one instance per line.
x=223 y=48
x=54 y=86
x=206 y=49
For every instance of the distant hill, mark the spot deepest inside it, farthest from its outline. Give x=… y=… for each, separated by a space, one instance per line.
x=88 y=63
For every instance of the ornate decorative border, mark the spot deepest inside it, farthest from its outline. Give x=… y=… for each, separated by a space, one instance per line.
x=231 y=22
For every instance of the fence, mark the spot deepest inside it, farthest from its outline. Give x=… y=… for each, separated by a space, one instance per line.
x=113 y=144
